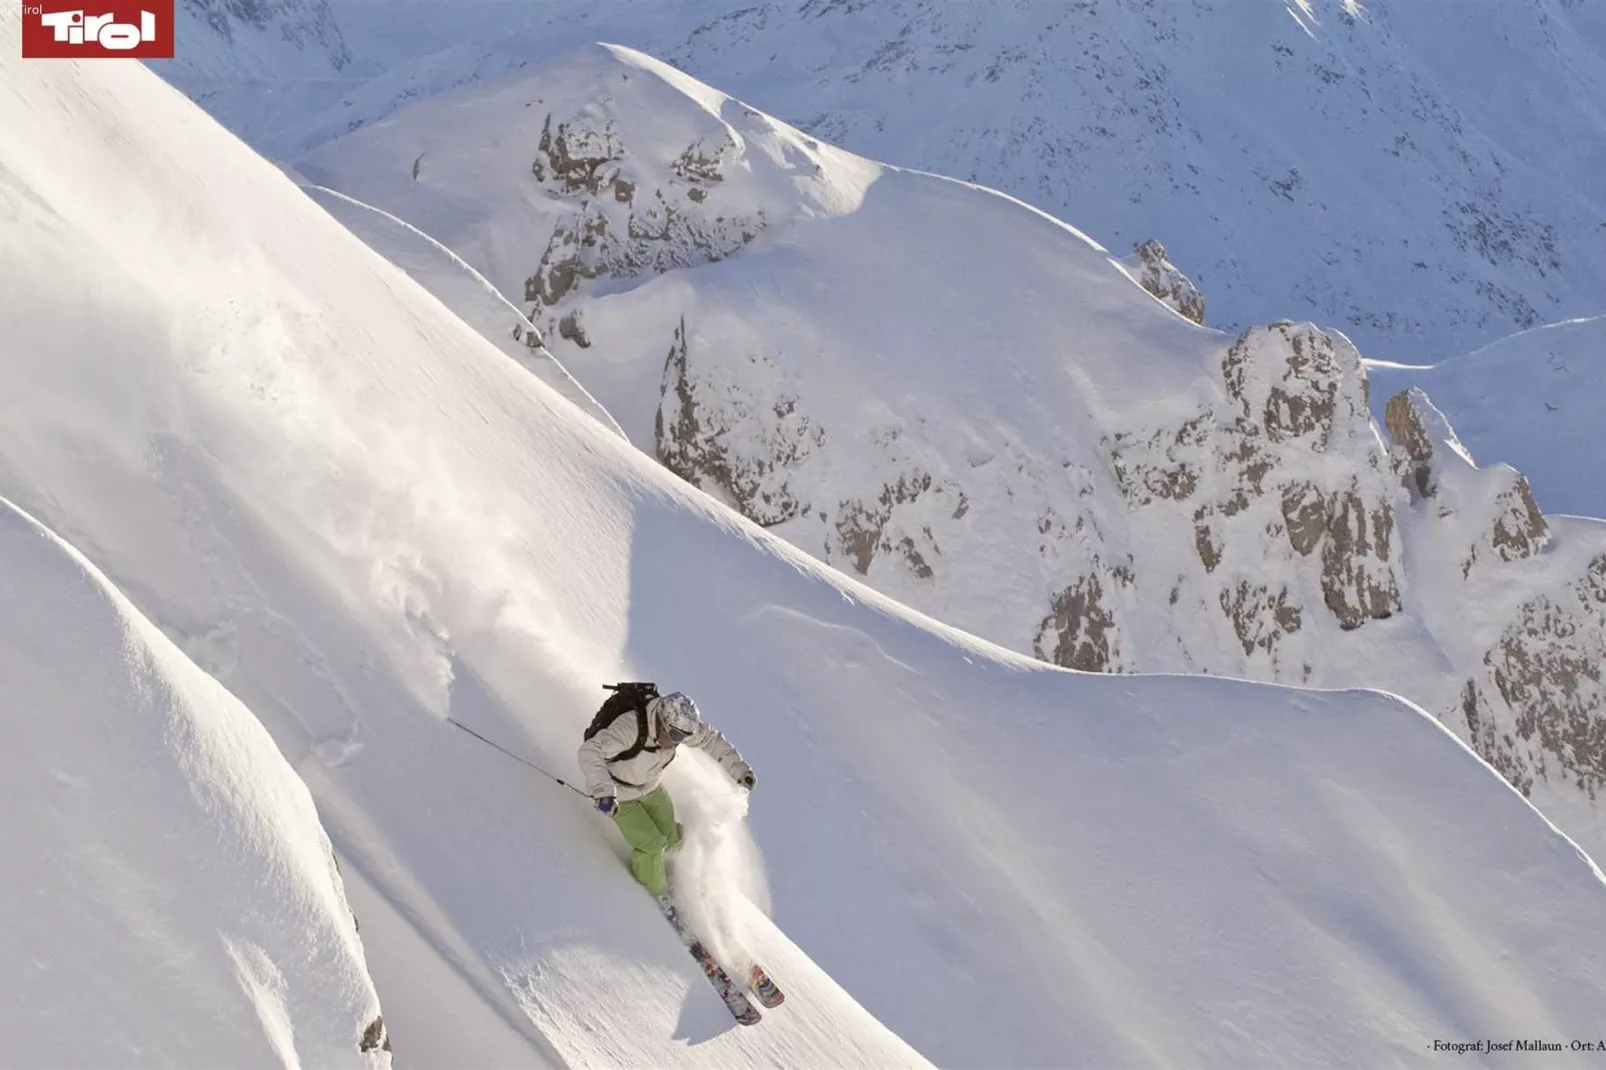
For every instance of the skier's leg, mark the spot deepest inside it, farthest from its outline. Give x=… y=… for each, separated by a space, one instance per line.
x=662 y=809
x=647 y=840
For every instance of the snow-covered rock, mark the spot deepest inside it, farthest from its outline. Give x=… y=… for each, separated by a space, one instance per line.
x=1527 y=634
x=1153 y=270
x=974 y=408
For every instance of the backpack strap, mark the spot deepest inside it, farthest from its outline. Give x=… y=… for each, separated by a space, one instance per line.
x=641 y=737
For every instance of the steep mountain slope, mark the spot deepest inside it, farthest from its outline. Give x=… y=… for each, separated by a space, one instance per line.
x=1357 y=167
x=221 y=43
x=361 y=516
x=1363 y=166
x=1535 y=401
x=974 y=408
x=170 y=898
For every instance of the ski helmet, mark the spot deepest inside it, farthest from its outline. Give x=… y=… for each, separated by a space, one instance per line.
x=676 y=712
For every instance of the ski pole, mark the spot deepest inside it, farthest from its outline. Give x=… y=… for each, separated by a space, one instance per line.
x=516 y=758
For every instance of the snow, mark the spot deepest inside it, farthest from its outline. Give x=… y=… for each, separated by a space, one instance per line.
x=171 y=898
x=468 y=293
x=1423 y=177
x=1533 y=401
x=361 y=517
x=972 y=406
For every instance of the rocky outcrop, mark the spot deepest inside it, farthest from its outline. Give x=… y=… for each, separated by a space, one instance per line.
x=581 y=156
x=1519 y=529
x=862 y=528
x=571 y=328
x=1295 y=382
x=1079 y=631
x=1152 y=269
x=706 y=434
x=1494 y=509
x=1292 y=393
x=1255 y=535
x=1534 y=707
x=1402 y=416
x=622 y=225
x=374 y=1038
x=1548 y=669
x=1496 y=745
x=1259 y=616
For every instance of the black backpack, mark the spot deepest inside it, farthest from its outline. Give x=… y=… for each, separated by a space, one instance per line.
x=626 y=698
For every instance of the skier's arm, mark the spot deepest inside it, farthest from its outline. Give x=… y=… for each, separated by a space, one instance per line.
x=596 y=752
x=712 y=742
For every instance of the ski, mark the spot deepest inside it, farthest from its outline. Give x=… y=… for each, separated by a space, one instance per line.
x=736 y=1001
x=767 y=991
x=729 y=991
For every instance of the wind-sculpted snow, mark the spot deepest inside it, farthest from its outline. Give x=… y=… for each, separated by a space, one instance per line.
x=170 y=897
x=967 y=404
x=360 y=516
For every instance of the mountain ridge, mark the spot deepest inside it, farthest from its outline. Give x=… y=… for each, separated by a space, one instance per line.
x=973 y=407
x=359 y=517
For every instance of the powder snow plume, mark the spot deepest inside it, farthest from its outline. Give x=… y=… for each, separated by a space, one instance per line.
x=718 y=876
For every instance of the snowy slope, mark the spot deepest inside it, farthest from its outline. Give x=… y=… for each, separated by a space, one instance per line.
x=462 y=289
x=361 y=516
x=170 y=897
x=1535 y=401
x=973 y=407
x=1422 y=176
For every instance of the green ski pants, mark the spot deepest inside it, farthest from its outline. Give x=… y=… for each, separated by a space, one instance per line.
x=650 y=828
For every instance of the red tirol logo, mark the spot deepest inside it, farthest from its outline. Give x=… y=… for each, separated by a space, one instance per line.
x=103 y=29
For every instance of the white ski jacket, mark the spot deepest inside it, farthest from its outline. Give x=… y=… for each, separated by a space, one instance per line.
x=638 y=776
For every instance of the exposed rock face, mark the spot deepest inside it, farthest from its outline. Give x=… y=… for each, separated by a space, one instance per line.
x=1519 y=529
x=374 y=1038
x=1403 y=419
x=1224 y=479
x=1154 y=271
x=581 y=157
x=1548 y=694
x=707 y=437
x=1260 y=617
x=863 y=529
x=1548 y=667
x=573 y=329
x=621 y=227
x=1275 y=520
x=1533 y=704
x=1291 y=393
x=1080 y=626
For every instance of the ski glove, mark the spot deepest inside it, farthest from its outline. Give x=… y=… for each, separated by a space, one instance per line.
x=743 y=775
x=605 y=804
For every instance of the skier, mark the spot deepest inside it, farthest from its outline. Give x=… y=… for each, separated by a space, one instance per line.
x=623 y=759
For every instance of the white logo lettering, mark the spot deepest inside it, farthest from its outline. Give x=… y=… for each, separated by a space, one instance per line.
x=75 y=29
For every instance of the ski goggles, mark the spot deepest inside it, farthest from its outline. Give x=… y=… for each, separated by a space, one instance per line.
x=676 y=735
